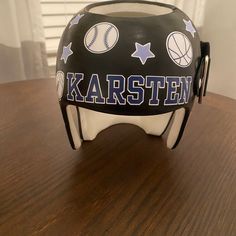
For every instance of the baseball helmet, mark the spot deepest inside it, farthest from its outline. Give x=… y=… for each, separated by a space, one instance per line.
x=136 y=62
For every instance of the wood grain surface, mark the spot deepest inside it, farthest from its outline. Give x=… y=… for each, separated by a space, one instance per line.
x=123 y=183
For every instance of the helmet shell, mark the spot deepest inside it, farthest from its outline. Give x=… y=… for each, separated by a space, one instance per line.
x=152 y=61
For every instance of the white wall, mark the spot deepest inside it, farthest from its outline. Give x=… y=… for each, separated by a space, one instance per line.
x=220 y=29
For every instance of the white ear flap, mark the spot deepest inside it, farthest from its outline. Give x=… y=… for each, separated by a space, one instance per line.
x=175 y=132
x=74 y=126
x=155 y=125
x=84 y=124
x=93 y=122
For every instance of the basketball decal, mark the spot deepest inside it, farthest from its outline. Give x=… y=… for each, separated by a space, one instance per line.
x=60 y=84
x=101 y=37
x=179 y=49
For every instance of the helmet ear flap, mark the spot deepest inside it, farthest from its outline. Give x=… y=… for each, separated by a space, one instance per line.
x=72 y=124
x=178 y=124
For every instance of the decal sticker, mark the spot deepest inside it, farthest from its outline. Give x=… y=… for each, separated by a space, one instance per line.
x=143 y=52
x=179 y=49
x=189 y=27
x=101 y=37
x=60 y=83
x=76 y=20
x=66 y=52
x=130 y=90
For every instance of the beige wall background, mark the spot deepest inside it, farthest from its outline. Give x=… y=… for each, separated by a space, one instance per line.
x=220 y=29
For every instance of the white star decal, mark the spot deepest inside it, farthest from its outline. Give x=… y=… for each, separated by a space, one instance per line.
x=189 y=27
x=143 y=52
x=66 y=52
x=76 y=20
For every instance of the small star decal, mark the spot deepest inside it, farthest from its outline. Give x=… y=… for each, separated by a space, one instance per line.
x=189 y=27
x=66 y=52
x=76 y=20
x=143 y=52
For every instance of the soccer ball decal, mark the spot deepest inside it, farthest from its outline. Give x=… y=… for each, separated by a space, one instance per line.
x=60 y=83
x=179 y=49
x=101 y=37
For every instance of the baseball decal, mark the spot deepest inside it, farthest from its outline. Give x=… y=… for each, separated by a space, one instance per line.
x=179 y=49
x=101 y=37
x=60 y=84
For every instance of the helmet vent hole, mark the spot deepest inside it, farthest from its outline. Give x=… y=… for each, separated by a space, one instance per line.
x=130 y=9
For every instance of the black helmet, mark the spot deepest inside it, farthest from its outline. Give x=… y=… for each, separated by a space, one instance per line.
x=135 y=62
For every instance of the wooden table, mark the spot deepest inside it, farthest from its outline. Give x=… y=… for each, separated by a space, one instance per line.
x=123 y=183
